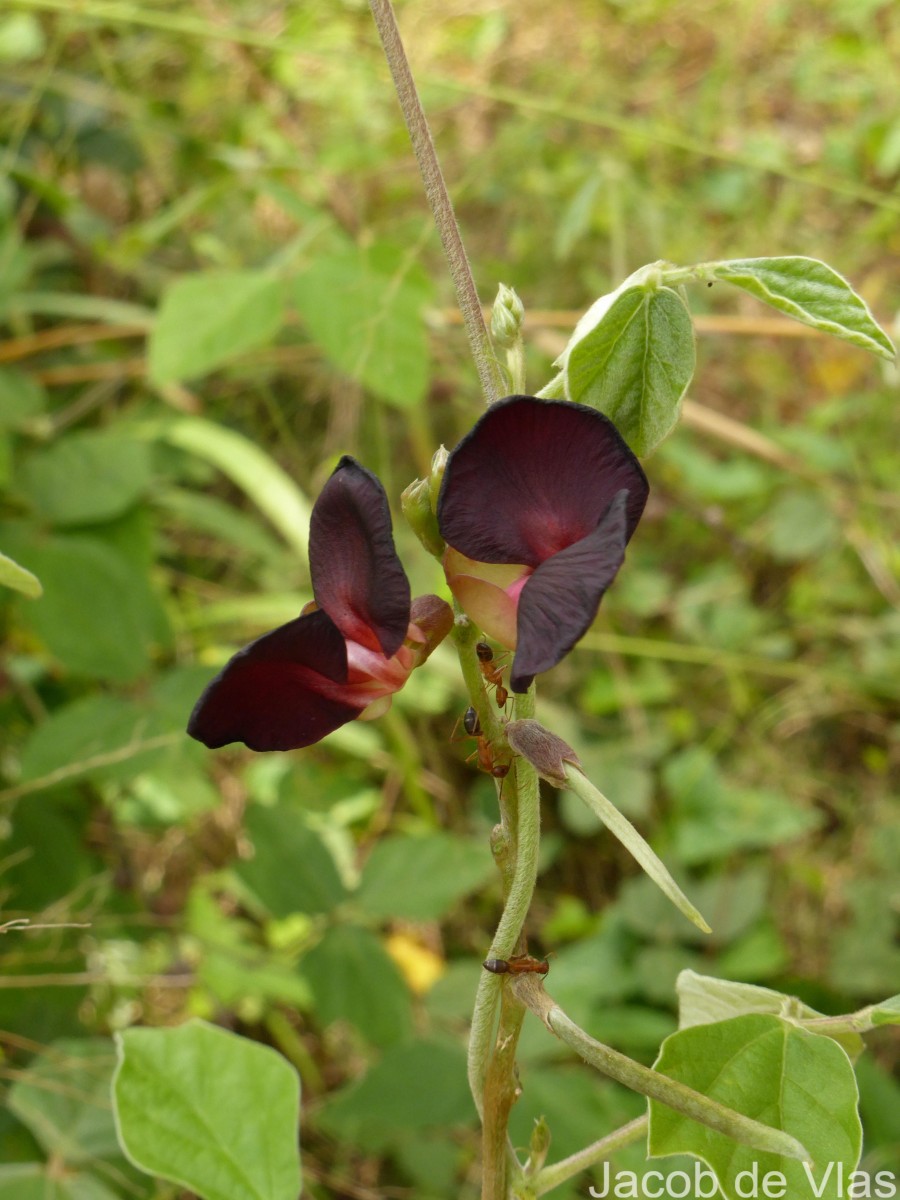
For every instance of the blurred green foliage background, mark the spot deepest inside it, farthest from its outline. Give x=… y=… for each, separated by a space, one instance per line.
x=217 y=274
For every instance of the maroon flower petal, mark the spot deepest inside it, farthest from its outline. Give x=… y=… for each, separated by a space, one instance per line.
x=561 y=598
x=534 y=476
x=280 y=692
x=357 y=577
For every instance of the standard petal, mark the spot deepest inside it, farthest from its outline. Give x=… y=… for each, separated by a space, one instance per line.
x=356 y=575
x=280 y=692
x=533 y=477
x=561 y=598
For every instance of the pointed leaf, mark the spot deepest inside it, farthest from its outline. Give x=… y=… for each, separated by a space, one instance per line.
x=773 y=1072
x=703 y=999
x=635 y=364
x=63 y=1098
x=809 y=291
x=364 y=309
x=86 y=477
x=421 y=878
x=210 y=1111
x=208 y=318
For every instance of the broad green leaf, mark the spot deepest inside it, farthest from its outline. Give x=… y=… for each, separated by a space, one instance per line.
x=209 y=1111
x=209 y=318
x=703 y=999
x=22 y=398
x=353 y=979
x=86 y=477
x=113 y=738
x=257 y=474
x=713 y=817
x=635 y=364
x=39 y=1181
x=280 y=842
x=809 y=291
x=770 y=1070
x=45 y=857
x=365 y=309
x=415 y=1086
x=98 y=615
x=800 y=525
x=18 y=578
x=63 y=1098
x=421 y=878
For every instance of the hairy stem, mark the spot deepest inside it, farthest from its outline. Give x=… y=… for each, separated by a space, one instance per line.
x=500 y=1094
x=654 y=1084
x=439 y=200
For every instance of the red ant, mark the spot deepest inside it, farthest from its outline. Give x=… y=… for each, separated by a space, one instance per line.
x=486 y=760
x=519 y=964
x=490 y=672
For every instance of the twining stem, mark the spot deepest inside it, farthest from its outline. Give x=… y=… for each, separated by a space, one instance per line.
x=500 y=1094
x=557 y=1173
x=439 y=200
x=521 y=826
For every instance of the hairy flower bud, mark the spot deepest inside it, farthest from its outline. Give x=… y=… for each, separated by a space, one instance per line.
x=507 y=318
x=417 y=508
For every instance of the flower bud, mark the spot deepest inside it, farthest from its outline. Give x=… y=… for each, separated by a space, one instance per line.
x=435 y=478
x=417 y=508
x=507 y=318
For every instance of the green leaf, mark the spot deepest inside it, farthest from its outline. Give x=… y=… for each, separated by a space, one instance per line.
x=809 y=291
x=98 y=615
x=16 y=577
x=209 y=1111
x=800 y=525
x=634 y=364
x=353 y=979
x=106 y=737
x=365 y=309
x=713 y=817
x=39 y=1181
x=703 y=1000
x=885 y=1013
x=63 y=1098
x=86 y=477
x=421 y=878
x=257 y=474
x=280 y=841
x=415 y=1086
x=21 y=398
x=773 y=1072
x=209 y=318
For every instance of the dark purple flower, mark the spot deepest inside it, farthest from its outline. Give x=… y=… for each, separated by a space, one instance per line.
x=537 y=504
x=348 y=652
